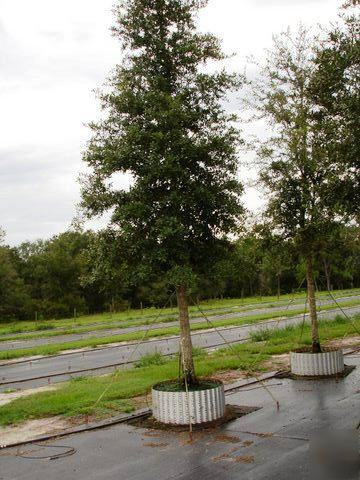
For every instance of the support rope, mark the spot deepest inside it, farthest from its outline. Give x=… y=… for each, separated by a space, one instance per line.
x=237 y=354
x=279 y=320
x=188 y=401
x=107 y=388
x=303 y=321
x=344 y=313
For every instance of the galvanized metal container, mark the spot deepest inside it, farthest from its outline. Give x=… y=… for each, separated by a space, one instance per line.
x=199 y=406
x=309 y=364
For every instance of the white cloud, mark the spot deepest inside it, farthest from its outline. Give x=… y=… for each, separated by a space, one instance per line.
x=52 y=55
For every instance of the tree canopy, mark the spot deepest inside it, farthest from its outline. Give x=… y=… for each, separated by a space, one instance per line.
x=165 y=124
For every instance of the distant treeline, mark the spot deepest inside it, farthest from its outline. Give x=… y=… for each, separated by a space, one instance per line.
x=82 y=272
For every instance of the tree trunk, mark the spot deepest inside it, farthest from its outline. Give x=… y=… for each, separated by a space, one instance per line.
x=185 y=336
x=312 y=305
x=278 y=286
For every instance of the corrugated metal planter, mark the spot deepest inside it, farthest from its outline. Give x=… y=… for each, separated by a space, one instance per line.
x=172 y=407
x=308 y=364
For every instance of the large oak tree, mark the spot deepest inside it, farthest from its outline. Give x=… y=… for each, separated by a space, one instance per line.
x=165 y=125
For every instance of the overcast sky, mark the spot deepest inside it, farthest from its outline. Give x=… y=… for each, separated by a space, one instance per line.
x=52 y=55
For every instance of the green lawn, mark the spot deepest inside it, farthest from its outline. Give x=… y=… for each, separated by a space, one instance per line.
x=32 y=329
x=161 y=332
x=48 y=330
x=108 y=395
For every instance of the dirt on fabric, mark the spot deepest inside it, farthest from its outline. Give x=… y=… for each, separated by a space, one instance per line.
x=232 y=413
x=348 y=342
x=33 y=429
x=229 y=457
x=226 y=439
x=13 y=395
x=244 y=459
x=155 y=445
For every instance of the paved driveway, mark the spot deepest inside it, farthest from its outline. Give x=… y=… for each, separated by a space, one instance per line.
x=265 y=445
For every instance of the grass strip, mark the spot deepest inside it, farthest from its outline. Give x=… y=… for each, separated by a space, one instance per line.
x=45 y=333
x=138 y=317
x=161 y=332
x=79 y=396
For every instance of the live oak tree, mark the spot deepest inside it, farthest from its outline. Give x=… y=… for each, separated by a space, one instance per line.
x=165 y=125
x=296 y=166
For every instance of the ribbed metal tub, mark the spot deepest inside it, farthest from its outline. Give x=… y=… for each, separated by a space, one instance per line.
x=307 y=364
x=173 y=407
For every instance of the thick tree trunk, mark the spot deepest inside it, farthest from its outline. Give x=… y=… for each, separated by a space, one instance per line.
x=312 y=305
x=185 y=336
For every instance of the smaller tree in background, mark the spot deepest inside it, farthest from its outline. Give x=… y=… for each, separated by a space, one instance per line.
x=296 y=166
x=334 y=89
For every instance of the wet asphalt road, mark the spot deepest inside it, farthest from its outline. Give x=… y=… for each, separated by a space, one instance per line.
x=106 y=359
x=264 y=445
x=20 y=344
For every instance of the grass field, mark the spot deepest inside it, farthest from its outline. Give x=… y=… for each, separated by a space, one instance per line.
x=32 y=329
x=94 y=342
x=108 y=395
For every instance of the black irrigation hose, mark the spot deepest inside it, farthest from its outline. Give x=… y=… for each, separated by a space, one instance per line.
x=257 y=388
x=77 y=430
x=68 y=452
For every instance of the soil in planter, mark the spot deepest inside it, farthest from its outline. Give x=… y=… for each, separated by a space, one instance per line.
x=232 y=412
x=178 y=386
x=337 y=376
x=309 y=350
